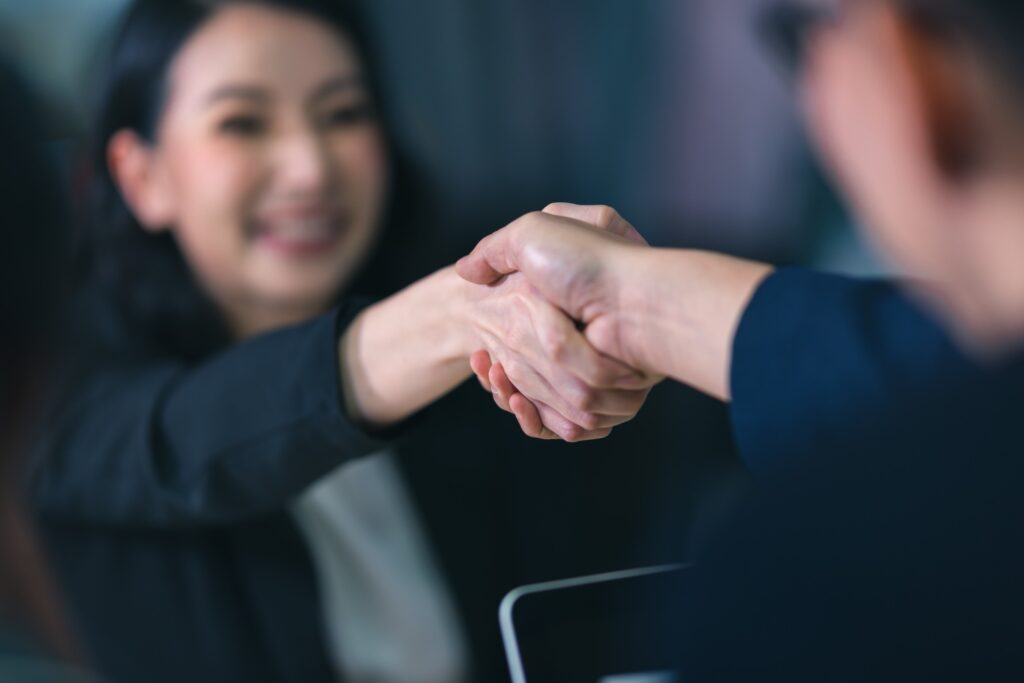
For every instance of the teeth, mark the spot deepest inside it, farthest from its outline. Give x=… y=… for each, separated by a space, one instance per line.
x=310 y=229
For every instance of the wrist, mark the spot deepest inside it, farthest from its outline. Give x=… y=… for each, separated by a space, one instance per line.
x=638 y=295
x=682 y=309
x=407 y=350
x=458 y=301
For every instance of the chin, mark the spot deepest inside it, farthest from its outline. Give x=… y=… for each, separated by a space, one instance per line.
x=309 y=295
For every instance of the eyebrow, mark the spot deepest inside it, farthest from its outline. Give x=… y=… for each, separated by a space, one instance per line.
x=336 y=85
x=251 y=93
x=257 y=94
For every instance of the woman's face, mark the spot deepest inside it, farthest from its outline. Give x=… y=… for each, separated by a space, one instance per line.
x=269 y=161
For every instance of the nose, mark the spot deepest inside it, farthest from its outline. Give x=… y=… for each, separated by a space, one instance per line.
x=304 y=166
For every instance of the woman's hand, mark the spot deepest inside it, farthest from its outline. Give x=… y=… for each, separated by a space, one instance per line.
x=410 y=349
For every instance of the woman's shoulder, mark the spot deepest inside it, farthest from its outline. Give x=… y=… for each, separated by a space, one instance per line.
x=103 y=332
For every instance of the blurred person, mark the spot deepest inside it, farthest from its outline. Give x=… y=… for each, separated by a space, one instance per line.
x=886 y=544
x=245 y=183
x=35 y=641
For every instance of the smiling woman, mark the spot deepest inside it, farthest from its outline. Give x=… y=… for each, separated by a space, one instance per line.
x=244 y=171
x=270 y=169
x=273 y=136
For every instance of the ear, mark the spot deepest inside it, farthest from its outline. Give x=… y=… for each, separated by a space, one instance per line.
x=943 y=98
x=135 y=167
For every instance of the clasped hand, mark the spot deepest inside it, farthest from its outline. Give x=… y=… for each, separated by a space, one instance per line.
x=578 y=383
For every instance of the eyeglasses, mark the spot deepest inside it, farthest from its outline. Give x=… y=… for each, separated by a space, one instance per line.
x=786 y=28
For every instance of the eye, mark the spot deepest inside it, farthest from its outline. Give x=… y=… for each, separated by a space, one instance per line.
x=243 y=125
x=352 y=115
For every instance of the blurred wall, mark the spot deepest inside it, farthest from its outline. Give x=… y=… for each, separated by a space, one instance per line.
x=669 y=110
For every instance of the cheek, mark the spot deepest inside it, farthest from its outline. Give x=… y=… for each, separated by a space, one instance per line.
x=363 y=169
x=216 y=179
x=214 y=187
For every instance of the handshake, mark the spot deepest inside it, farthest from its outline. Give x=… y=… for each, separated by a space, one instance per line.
x=609 y=318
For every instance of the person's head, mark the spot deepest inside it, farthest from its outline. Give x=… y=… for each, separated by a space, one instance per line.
x=917 y=107
x=244 y=135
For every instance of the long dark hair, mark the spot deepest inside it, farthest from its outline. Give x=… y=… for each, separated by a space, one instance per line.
x=146 y=276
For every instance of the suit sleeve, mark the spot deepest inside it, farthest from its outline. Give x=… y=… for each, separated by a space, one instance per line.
x=163 y=443
x=816 y=355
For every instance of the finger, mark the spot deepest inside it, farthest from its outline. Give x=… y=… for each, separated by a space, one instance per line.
x=608 y=404
x=500 y=382
x=492 y=258
x=566 y=429
x=501 y=388
x=604 y=217
x=579 y=427
x=529 y=418
x=480 y=363
x=540 y=391
x=568 y=349
x=506 y=390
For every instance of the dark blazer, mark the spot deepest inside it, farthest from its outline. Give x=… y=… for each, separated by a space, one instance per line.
x=161 y=489
x=886 y=542
x=816 y=355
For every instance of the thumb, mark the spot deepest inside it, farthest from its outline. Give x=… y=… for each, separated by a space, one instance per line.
x=492 y=259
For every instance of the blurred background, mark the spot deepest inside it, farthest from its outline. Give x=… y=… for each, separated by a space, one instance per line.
x=666 y=109
x=669 y=110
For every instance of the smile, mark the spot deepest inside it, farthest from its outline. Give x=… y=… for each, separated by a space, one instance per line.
x=301 y=232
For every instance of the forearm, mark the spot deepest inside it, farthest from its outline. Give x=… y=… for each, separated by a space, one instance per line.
x=163 y=443
x=681 y=309
x=407 y=351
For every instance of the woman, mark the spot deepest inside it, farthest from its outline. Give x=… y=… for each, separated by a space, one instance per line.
x=241 y=176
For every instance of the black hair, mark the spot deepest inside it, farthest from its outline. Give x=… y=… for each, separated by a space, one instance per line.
x=991 y=27
x=144 y=274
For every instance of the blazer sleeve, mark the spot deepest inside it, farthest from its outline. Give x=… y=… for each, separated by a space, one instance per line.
x=164 y=443
x=816 y=355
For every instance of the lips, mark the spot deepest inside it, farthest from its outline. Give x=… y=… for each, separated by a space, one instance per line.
x=300 y=231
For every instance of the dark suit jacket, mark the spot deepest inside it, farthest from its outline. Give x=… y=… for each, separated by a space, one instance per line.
x=161 y=488
x=886 y=539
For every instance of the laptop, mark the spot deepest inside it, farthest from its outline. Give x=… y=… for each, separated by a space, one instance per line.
x=603 y=628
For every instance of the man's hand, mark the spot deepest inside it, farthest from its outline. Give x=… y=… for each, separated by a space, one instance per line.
x=573 y=256
x=664 y=312
x=568 y=253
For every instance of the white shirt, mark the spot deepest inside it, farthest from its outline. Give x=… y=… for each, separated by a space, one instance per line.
x=389 y=617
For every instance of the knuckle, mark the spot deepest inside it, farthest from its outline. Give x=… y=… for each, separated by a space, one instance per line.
x=513 y=370
x=606 y=215
x=573 y=433
x=534 y=216
x=583 y=398
x=601 y=375
x=589 y=421
x=556 y=345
